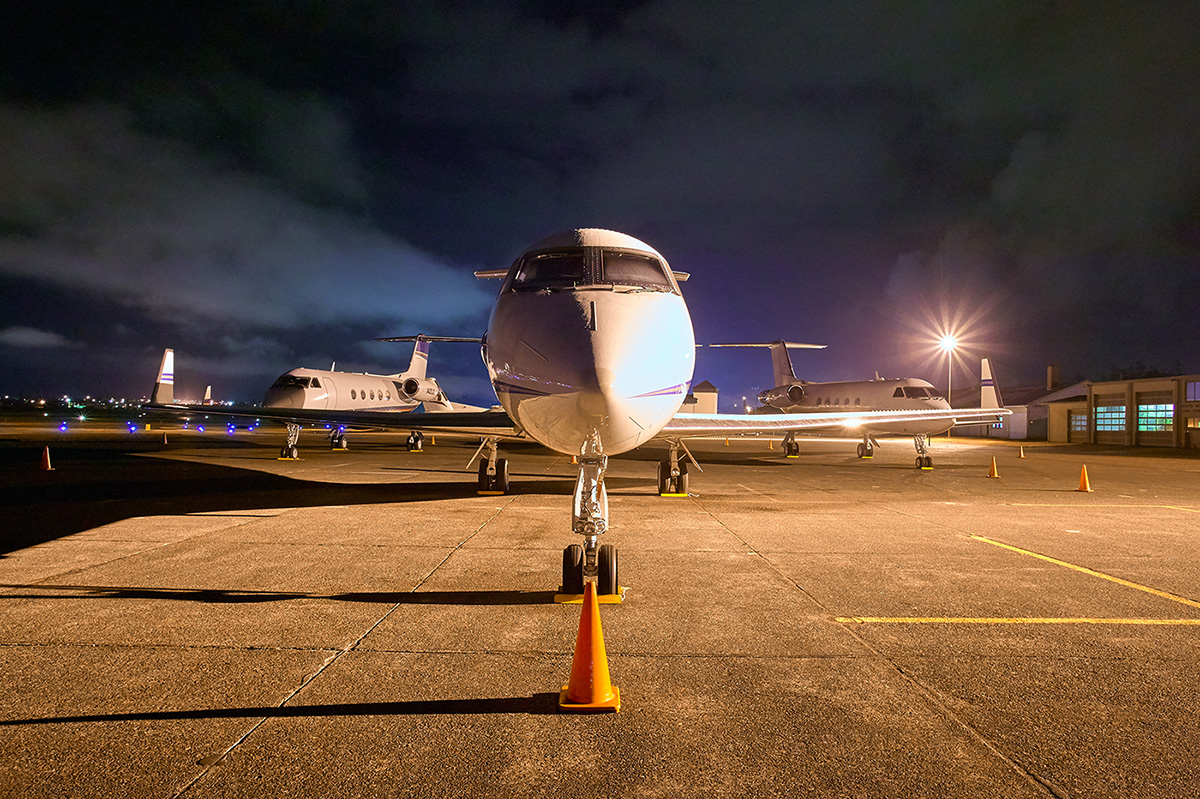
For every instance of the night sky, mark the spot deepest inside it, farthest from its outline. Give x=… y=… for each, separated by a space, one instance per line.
x=265 y=185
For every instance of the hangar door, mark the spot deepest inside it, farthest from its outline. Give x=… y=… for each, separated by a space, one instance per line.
x=1077 y=427
x=1110 y=419
x=1156 y=418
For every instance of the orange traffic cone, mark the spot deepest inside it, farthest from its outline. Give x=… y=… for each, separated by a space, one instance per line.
x=1084 y=485
x=1022 y=455
x=992 y=472
x=574 y=460
x=46 y=467
x=770 y=443
x=433 y=440
x=164 y=439
x=727 y=442
x=589 y=689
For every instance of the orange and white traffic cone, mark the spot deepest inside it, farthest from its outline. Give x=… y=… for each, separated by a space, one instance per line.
x=1084 y=484
x=46 y=467
x=770 y=443
x=1022 y=455
x=589 y=689
x=992 y=472
x=164 y=439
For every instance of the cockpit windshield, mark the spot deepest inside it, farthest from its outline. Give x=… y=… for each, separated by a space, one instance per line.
x=552 y=270
x=633 y=269
x=919 y=392
x=589 y=266
x=295 y=381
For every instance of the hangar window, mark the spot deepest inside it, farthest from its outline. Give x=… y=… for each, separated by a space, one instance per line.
x=1077 y=421
x=1156 y=418
x=1193 y=391
x=1110 y=418
x=633 y=269
x=552 y=270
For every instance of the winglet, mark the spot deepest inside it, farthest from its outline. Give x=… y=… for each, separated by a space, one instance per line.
x=164 y=387
x=989 y=392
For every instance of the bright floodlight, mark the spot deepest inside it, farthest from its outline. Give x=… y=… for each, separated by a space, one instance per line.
x=948 y=343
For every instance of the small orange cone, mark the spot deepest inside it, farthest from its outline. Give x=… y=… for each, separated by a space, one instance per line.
x=1084 y=485
x=433 y=440
x=589 y=689
x=574 y=460
x=770 y=443
x=992 y=472
x=727 y=442
x=46 y=467
x=164 y=439
x=1022 y=455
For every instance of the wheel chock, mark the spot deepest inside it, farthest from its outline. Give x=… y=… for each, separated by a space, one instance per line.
x=684 y=494
x=1084 y=484
x=618 y=598
x=490 y=493
x=992 y=472
x=589 y=689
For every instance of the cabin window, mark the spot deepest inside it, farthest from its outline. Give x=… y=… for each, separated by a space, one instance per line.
x=846 y=401
x=857 y=401
x=353 y=394
x=552 y=270
x=387 y=395
x=633 y=269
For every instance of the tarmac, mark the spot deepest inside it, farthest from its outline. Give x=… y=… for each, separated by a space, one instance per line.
x=197 y=618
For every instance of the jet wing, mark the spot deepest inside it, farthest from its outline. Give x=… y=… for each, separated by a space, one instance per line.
x=493 y=422
x=728 y=424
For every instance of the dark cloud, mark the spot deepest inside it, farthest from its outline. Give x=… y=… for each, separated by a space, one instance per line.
x=303 y=176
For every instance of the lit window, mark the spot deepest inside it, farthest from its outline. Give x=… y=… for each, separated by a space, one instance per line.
x=1078 y=422
x=1110 y=418
x=1193 y=391
x=1156 y=418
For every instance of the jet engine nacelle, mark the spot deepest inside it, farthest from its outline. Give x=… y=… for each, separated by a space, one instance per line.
x=420 y=389
x=782 y=396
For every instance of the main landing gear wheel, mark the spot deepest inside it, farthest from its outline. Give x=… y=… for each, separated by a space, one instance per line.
x=606 y=563
x=791 y=449
x=290 y=453
x=670 y=485
x=924 y=462
x=416 y=441
x=572 y=570
x=497 y=482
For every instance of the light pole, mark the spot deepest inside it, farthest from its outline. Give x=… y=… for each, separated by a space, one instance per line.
x=948 y=344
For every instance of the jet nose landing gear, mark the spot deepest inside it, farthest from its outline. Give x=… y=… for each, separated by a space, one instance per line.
x=591 y=560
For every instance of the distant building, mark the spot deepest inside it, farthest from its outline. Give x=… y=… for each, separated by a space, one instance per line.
x=1149 y=412
x=701 y=399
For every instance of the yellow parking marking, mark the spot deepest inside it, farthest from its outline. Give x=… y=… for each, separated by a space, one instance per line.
x=984 y=620
x=1119 y=581
x=1090 y=505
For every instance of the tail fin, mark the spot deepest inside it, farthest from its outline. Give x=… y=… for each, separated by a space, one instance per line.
x=781 y=362
x=207 y=395
x=989 y=392
x=164 y=387
x=420 y=358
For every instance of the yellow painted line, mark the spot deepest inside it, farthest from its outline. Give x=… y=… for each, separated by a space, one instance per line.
x=985 y=620
x=1090 y=505
x=1119 y=581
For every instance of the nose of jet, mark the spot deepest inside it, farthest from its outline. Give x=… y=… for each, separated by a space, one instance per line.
x=284 y=398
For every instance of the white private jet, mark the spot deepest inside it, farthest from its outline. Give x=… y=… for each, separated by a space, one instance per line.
x=590 y=349
x=791 y=395
x=329 y=390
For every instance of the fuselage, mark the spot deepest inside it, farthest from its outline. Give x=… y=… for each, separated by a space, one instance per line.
x=590 y=340
x=902 y=394
x=342 y=391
